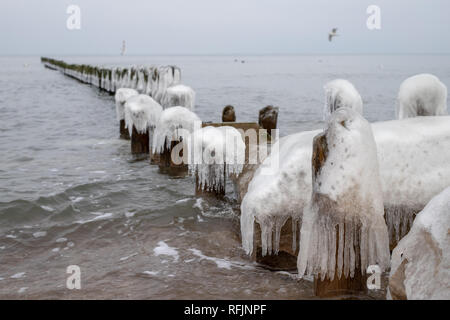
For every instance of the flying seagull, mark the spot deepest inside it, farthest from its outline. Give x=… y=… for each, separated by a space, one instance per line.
x=332 y=34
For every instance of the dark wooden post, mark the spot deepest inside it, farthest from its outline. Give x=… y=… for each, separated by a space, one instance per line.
x=268 y=118
x=228 y=114
x=140 y=142
x=124 y=133
x=166 y=163
x=209 y=188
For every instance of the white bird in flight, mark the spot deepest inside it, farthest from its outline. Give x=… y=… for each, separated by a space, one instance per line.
x=332 y=34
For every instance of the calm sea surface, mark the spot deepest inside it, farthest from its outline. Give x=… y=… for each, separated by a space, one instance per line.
x=71 y=194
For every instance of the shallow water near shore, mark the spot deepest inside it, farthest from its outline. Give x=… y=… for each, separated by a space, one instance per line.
x=71 y=194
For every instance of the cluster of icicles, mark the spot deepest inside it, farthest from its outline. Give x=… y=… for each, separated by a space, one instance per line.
x=407 y=151
x=215 y=153
x=152 y=81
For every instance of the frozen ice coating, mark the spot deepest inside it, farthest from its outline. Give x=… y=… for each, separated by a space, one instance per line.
x=163 y=78
x=422 y=95
x=413 y=157
x=121 y=97
x=179 y=95
x=149 y=80
x=175 y=124
x=272 y=198
x=426 y=252
x=214 y=153
x=142 y=112
x=343 y=228
x=341 y=93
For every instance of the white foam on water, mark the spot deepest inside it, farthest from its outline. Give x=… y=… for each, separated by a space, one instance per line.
x=76 y=199
x=100 y=216
x=165 y=250
x=221 y=263
x=151 y=273
x=22 y=290
x=129 y=214
x=183 y=200
x=40 y=234
x=128 y=257
x=18 y=275
x=47 y=208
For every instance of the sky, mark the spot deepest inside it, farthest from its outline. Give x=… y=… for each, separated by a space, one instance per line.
x=177 y=27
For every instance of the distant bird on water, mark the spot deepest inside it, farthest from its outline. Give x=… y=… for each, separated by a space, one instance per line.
x=332 y=34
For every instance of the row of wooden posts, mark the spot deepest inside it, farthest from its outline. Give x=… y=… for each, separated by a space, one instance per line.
x=146 y=81
x=140 y=144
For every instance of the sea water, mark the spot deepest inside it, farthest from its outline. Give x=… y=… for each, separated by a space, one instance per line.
x=71 y=193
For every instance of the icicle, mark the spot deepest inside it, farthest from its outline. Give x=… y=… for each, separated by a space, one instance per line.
x=281 y=192
x=295 y=223
x=214 y=153
x=247 y=231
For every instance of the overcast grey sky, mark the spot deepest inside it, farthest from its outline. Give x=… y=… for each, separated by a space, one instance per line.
x=223 y=27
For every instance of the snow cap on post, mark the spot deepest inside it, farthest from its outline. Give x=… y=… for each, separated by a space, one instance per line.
x=175 y=124
x=121 y=97
x=341 y=93
x=422 y=95
x=142 y=112
x=179 y=95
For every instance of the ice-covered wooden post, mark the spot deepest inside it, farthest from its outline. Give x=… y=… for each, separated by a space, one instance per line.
x=141 y=115
x=420 y=265
x=214 y=153
x=343 y=230
x=228 y=114
x=272 y=204
x=422 y=95
x=179 y=95
x=163 y=78
x=172 y=129
x=121 y=97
